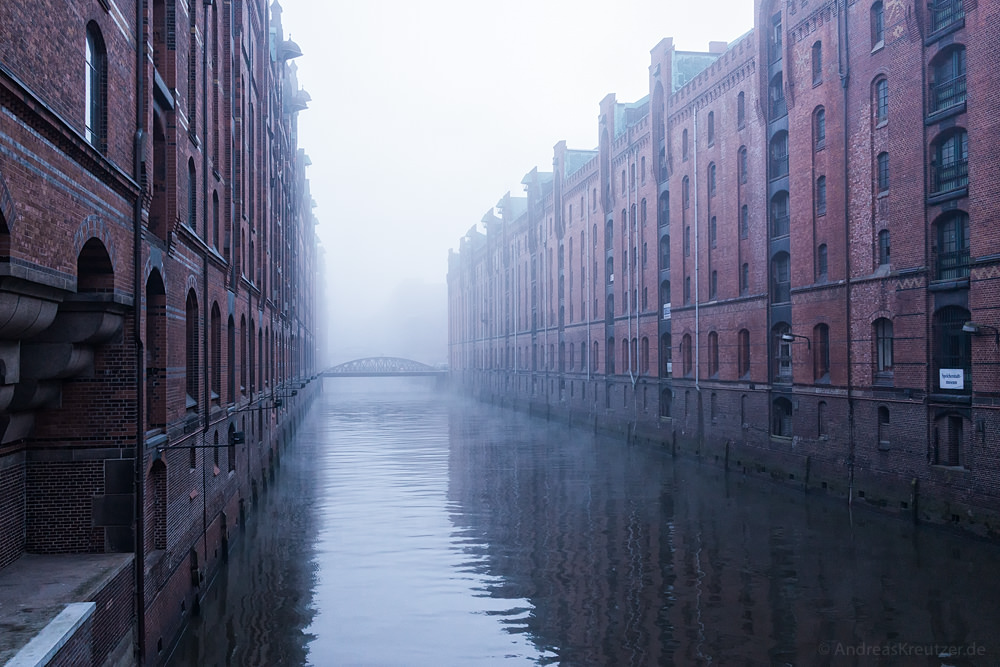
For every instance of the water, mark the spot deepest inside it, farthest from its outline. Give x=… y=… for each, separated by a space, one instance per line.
x=404 y=530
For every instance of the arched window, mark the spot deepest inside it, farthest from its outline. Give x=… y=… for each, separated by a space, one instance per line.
x=883 y=427
x=192 y=196
x=948 y=79
x=953 y=246
x=687 y=241
x=711 y=179
x=665 y=251
x=819 y=129
x=216 y=347
x=663 y=213
x=231 y=360
x=666 y=400
x=713 y=232
x=817 y=63
x=713 y=285
x=782 y=353
x=609 y=235
x=781 y=277
x=741 y=110
x=215 y=220
x=883 y=338
x=684 y=144
x=667 y=355
x=686 y=353
x=776 y=93
x=687 y=290
x=877 y=24
x=780 y=219
x=156 y=352
x=952 y=350
x=822 y=264
x=881 y=101
x=742 y=164
x=821 y=195
x=883 y=247
x=778 y=164
x=781 y=418
x=821 y=352
x=743 y=353
x=610 y=357
x=882 y=172
x=950 y=162
x=686 y=193
x=745 y=279
x=665 y=298
x=711 y=128
x=744 y=221
x=96 y=89
x=713 y=354
x=192 y=343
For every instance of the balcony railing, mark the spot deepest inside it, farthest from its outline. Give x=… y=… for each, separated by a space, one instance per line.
x=946 y=12
x=778 y=108
x=953 y=265
x=779 y=225
x=950 y=176
x=947 y=94
x=782 y=292
x=779 y=166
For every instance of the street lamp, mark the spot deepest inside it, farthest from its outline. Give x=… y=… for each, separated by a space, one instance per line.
x=977 y=329
x=790 y=337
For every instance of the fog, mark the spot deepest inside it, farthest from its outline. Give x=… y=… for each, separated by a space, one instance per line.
x=424 y=114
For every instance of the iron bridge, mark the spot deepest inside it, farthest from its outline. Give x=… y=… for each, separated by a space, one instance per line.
x=384 y=367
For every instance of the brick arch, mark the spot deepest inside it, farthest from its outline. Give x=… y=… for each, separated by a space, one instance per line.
x=94 y=227
x=154 y=263
x=191 y=284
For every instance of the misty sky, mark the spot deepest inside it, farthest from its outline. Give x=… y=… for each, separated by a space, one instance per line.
x=425 y=113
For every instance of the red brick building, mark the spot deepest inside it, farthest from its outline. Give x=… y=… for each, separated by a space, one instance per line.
x=157 y=294
x=784 y=259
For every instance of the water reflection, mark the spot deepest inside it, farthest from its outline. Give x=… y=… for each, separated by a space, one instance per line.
x=405 y=531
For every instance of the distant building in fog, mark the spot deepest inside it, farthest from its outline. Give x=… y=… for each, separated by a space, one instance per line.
x=783 y=259
x=157 y=301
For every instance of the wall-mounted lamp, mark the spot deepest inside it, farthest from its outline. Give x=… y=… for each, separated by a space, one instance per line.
x=977 y=329
x=790 y=338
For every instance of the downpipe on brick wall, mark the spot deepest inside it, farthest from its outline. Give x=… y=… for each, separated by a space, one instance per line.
x=843 y=65
x=139 y=158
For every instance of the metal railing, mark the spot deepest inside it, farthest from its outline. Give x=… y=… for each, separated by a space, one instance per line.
x=950 y=176
x=947 y=94
x=953 y=265
x=946 y=12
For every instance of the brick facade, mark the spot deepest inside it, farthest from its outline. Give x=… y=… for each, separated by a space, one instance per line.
x=157 y=288
x=818 y=234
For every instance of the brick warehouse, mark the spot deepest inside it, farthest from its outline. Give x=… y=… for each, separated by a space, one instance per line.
x=784 y=260
x=158 y=269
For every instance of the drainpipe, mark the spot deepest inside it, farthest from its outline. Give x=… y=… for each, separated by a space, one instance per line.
x=627 y=270
x=206 y=393
x=843 y=62
x=590 y=262
x=139 y=159
x=697 y=282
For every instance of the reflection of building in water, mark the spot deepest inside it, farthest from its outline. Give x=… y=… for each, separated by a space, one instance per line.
x=638 y=559
x=157 y=268
x=781 y=259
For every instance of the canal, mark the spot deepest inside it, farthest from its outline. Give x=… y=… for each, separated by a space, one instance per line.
x=403 y=529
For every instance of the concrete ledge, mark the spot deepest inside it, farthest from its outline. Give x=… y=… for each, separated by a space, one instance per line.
x=46 y=644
